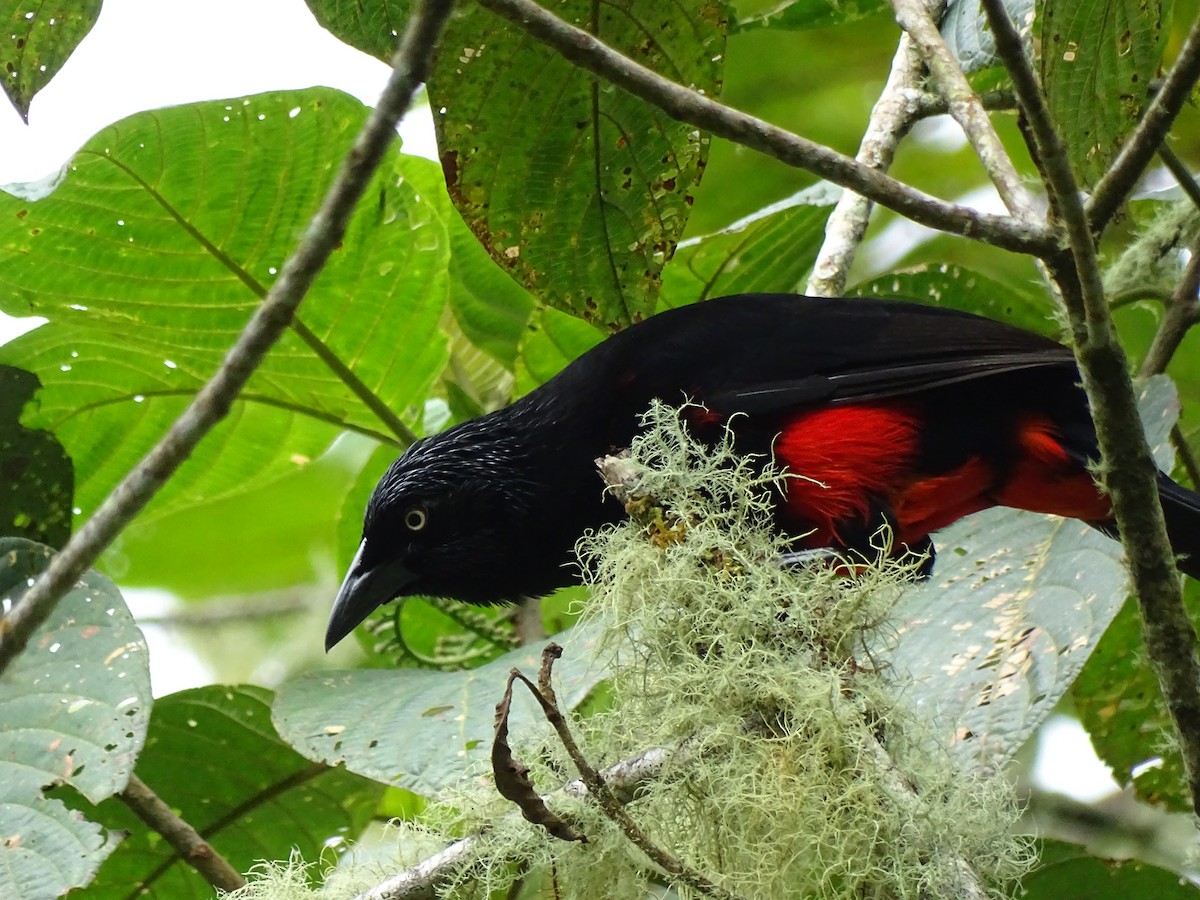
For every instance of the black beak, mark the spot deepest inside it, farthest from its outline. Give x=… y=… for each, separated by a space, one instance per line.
x=365 y=588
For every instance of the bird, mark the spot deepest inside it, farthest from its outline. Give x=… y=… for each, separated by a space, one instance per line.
x=895 y=413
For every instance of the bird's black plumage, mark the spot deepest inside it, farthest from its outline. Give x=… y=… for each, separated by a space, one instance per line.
x=490 y=510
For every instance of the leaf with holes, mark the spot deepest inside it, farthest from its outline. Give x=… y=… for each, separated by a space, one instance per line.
x=73 y=710
x=35 y=41
x=213 y=756
x=37 y=483
x=1016 y=603
x=1097 y=60
x=579 y=189
x=154 y=249
x=447 y=718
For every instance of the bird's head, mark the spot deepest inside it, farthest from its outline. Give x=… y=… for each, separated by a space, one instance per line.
x=453 y=517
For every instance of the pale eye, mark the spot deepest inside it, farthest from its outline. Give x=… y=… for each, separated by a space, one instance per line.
x=416 y=519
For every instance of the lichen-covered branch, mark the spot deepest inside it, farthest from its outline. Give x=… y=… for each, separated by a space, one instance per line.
x=214 y=400
x=898 y=107
x=915 y=18
x=1128 y=468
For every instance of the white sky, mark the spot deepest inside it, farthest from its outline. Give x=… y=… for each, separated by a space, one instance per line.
x=144 y=54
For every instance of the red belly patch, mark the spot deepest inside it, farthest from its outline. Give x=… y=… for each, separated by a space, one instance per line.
x=841 y=457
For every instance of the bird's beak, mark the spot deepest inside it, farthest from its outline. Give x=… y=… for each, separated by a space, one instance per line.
x=365 y=588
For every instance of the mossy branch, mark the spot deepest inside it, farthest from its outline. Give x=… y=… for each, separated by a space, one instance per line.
x=1128 y=470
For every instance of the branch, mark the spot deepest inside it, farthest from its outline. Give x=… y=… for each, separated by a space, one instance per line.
x=212 y=403
x=1123 y=175
x=1130 y=475
x=686 y=105
x=898 y=107
x=1182 y=311
x=191 y=847
x=966 y=108
x=422 y=880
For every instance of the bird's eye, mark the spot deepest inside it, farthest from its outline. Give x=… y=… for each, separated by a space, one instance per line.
x=416 y=519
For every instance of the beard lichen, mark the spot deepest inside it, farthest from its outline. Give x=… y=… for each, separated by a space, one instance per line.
x=794 y=767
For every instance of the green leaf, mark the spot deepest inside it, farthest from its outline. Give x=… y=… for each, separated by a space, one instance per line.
x=794 y=15
x=36 y=39
x=373 y=26
x=213 y=756
x=1071 y=873
x=956 y=287
x=37 y=482
x=154 y=250
x=1097 y=59
x=770 y=251
x=1016 y=604
x=490 y=307
x=552 y=340
x=447 y=718
x=578 y=189
x=968 y=35
x=73 y=710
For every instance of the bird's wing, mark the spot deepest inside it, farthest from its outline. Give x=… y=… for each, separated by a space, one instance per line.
x=882 y=381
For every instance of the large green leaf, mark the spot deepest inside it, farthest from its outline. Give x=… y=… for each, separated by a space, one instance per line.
x=1097 y=60
x=1016 y=604
x=73 y=710
x=580 y=190
x=447 y=718
x=770 y=251
x=1070 y=873
x=213 y=756
x=153 y=251
x=37 y=482
x=35 y=41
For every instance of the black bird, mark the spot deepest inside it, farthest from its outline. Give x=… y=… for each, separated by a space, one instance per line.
x=900 y=413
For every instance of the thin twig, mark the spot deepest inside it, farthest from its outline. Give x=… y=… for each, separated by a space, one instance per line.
x=1182 y=311
x=1183 y=175
x=213 y=402
x=186 y=841
x=892 y=117
x=599 y=790
x=421 y=881
x=929 y=105
x=1126 y=170
x=686 y=105
x=1130 y=474
x=914 y=16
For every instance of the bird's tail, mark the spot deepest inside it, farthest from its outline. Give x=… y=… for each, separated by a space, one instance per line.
x=1181 y=508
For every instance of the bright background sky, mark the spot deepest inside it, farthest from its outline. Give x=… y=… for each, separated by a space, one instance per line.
x=144 y=54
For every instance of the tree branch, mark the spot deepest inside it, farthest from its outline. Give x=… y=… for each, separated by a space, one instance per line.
x=212 y=403
x=1129 y=471
x=965 y=107
x=1126 y=170
x=892 y=117
x=187 y=842
x=686 y=105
